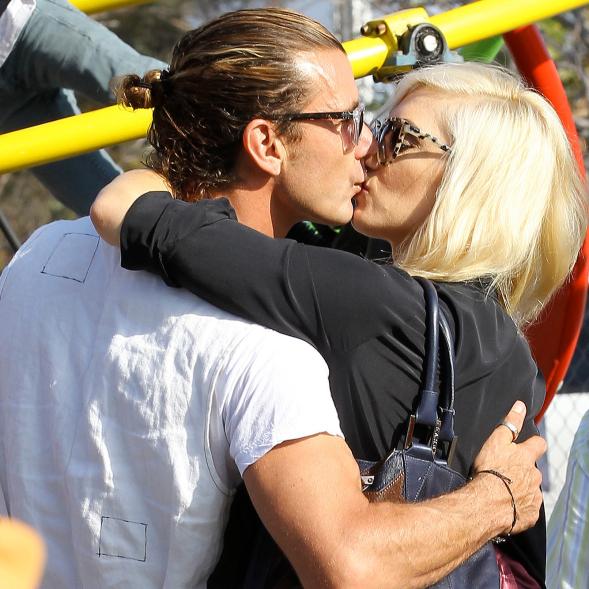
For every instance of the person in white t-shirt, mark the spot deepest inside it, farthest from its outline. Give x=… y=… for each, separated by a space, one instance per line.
x=128 y=411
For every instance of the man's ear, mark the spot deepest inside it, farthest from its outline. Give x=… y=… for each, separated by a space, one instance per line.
x=264 y=146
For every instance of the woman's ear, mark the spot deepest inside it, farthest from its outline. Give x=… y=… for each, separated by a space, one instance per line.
x=264 y=146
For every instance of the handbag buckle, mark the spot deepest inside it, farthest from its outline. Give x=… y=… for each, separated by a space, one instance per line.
x=432 y=439
x=410 y=429
x=446 y=451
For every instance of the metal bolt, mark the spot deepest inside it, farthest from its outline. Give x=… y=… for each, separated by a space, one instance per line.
x=430 y=43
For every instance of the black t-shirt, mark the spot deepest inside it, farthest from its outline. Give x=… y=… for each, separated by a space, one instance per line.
x=367 y=320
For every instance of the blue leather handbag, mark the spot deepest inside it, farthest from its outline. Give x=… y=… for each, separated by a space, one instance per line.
x=420 y=470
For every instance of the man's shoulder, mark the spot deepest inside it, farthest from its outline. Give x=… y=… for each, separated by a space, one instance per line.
x=69 y=257
x=45 y=240
x=257 y=342
x=63 y=248
x=63 y=227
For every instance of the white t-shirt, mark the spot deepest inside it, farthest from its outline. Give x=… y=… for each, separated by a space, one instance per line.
x=12 y=22
x=128 y=411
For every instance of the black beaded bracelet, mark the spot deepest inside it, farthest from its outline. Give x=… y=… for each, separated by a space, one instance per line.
x=506 y=481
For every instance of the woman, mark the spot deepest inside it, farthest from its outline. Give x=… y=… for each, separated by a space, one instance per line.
x=472 y=182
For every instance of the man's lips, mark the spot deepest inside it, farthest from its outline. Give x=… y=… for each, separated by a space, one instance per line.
x=360 y=188
x=364 y=186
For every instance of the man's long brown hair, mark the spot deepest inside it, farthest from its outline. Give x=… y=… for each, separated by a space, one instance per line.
x=222 y=75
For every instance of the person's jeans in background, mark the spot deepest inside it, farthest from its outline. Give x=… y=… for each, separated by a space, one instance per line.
x=59 y=50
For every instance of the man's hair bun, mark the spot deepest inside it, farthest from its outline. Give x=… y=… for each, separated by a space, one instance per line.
x=136 y=92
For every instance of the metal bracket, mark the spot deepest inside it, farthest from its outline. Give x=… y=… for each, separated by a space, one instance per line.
x=412 y=41
x=432 y=437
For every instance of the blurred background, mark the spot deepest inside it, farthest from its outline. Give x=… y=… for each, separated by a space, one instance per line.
x=26 y=204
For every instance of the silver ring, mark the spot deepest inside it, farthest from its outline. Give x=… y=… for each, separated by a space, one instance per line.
x=514 y=431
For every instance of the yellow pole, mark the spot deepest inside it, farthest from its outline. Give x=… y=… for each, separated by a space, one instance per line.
x=84 y=133
x=366 y=55
x=461 y=26
x=94 y=6
x=71 y=136
x=488 y=18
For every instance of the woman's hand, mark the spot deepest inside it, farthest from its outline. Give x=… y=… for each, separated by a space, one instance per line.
x=115 y=199
x=517 y=462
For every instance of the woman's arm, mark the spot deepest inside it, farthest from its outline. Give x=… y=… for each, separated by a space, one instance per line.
x=298 y=290
x=115 y=199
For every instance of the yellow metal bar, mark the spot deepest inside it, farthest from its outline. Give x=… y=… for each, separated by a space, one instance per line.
x=71 y=136
x=461 y=26
x=368 y=54
x=84 y=133
x=94 y=6
x=487 y=18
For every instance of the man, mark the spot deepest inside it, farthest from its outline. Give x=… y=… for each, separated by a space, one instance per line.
x=150 y=403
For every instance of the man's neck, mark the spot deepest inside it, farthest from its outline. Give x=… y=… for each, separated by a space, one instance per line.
x=257 y=210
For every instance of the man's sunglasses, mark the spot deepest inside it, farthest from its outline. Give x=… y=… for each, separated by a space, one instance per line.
x=395 y=135
x=353 y=122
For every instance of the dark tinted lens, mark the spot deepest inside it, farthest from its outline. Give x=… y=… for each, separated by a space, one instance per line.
x=396 y=139
x=388 y=136
x=359 y=124
x=381 y=135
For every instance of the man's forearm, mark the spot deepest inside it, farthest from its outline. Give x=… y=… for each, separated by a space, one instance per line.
x=335 y=538
x=429 y=539
x=308 y=495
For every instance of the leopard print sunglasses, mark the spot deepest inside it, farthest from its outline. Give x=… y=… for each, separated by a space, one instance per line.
x=395 y=135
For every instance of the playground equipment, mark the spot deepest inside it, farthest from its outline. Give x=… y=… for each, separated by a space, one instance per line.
x=389 y=46
x=368 y=55
x=94 y=6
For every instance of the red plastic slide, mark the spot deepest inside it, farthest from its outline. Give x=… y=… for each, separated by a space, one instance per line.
x=554 y=336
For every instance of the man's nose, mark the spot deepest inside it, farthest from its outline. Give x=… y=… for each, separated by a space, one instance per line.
x=369 y=150
x=364 y=142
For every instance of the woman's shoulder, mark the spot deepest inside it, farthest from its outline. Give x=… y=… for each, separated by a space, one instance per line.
x=372 y=283
x=359 y=299
x=484 y=332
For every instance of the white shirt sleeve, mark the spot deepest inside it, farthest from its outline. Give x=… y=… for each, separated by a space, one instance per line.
x=277 y=392
x=567 y=565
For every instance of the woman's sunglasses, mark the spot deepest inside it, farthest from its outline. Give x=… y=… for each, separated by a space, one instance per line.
x=395 y=135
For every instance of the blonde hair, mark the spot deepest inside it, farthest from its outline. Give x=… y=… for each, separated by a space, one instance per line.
x=511 y=208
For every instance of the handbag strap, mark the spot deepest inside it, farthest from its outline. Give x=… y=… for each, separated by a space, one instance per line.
x=433 y=420
x=447 y=412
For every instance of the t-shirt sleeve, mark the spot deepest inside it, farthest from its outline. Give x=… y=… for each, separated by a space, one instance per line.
x=299 y=290
x=275 y=393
